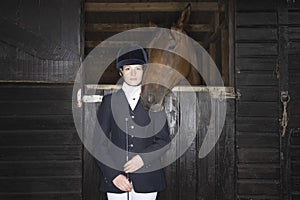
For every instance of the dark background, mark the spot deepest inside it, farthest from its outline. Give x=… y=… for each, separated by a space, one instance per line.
x=42 y=44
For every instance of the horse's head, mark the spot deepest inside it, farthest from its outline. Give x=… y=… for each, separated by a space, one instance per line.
x=165 y=69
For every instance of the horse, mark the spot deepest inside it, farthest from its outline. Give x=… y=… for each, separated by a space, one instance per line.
x=167 y=69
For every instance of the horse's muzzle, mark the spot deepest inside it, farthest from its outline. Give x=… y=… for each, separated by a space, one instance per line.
x=156 y=108
x=150 y=99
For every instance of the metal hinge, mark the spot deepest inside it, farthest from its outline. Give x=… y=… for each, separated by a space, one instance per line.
x=87 y=98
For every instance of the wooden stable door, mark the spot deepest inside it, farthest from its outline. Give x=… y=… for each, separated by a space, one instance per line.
x=267 y=114
x=189 y=177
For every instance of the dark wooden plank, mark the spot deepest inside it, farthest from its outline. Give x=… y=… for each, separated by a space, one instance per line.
x=34 y=69
x=256 y=34
x=256 y=109
x=51 y=28
x=257 y=197
x=39 y=138
x=258 y=171
x=294 y=33
x=45 y=184
x=294 y=18
x=295 y=136
x=8 y=9
x=258 y=63
x=295 y=184
x=294 y=61
x=122 y=18
x=36 y=107
x=295 y=196
x=258 y=78
x=294 y=48
x=46 y=196
x=255 y=140
x=188 y=127
x=256 y=49
x=294 y=77
x=294 y=92
x=43 y=47
x=28 y=14
x=259 y=94
x=294 y=121
x=259 y=187
x=295 y=153
x=188 y=171
x=41 y=169
x=91 y=178
x=256 y=18
x=294 y=107
x=117 y=27
x=295 y=168
x=256 y=5
x=226 y=156
x=257 y=124
x=71 y=22
x=37 y=123
x=21 y=91
x=61 y=153
x=258 y=155
x=150 y=7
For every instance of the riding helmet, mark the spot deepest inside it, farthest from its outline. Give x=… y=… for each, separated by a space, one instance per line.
x=130 y=55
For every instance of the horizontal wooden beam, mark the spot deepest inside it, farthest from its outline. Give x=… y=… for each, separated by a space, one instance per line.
x=214 y=91
x=110 y=44
x=151 y=7
x=123 y=27
x=116 y=44
x=112 y=27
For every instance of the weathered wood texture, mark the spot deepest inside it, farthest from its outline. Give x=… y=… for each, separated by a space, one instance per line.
x=41 y=154
x=293 y=132
x=257 y=128
x=189 y=177
x=40 y=40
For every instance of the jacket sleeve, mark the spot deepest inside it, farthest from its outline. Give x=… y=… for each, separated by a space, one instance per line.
x=160 y=144
x=102 y=147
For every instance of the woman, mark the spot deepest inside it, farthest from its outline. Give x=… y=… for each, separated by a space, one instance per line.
x=135 y=140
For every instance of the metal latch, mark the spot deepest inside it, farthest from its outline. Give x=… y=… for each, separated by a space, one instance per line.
x=87 y=98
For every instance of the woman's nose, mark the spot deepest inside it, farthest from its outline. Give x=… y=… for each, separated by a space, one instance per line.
x=133 y=72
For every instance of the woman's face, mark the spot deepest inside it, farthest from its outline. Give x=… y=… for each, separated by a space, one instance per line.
x=132 y=74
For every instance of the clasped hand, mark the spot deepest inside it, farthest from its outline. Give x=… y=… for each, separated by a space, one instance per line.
x=134 y=164
x=130 y=166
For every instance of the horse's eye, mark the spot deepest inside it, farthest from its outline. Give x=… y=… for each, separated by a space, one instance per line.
x=172 y=44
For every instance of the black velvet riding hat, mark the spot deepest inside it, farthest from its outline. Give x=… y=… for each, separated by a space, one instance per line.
x=131 y=54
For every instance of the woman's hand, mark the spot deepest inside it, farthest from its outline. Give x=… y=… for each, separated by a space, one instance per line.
x=133 y=164
x=122 y=183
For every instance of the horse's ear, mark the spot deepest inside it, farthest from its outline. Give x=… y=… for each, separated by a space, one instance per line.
x=151 y=24
x=184 y=17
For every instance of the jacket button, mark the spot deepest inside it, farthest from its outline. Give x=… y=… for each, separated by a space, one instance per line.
x=131 y=145
x=132 y=116
x=132 y=136
x=132 y=127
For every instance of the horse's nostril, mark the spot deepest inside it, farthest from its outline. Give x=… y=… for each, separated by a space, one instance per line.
x=151 y=99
